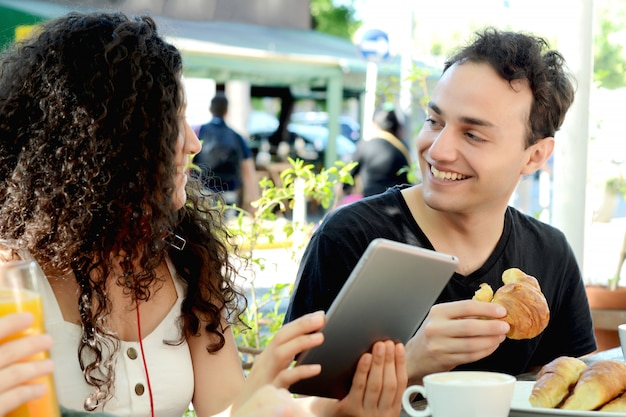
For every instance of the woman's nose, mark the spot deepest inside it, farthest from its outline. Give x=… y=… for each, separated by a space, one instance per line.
x=191 y=139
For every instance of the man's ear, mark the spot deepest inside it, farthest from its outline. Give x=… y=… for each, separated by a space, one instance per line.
x=538 y=154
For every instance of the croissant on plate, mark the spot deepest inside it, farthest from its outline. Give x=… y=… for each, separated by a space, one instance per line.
x=527 y=309
x=555 y=381
x=598 y=384
x=615 y=406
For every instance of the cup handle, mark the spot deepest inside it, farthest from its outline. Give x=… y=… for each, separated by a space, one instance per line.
x=406 y=401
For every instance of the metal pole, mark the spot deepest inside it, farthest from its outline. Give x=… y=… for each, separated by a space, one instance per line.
x=334 y=98
x=369 y=104
x=570 y=159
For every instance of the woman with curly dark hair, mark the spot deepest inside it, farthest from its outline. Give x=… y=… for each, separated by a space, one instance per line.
x=94 y=150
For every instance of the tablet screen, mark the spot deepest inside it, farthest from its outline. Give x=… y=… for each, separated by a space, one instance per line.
x=387 y=296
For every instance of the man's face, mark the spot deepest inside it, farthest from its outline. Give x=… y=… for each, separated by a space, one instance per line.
x=472 y=146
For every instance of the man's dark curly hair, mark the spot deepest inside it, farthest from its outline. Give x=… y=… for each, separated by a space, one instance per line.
x=519 y=56
x=90 y=111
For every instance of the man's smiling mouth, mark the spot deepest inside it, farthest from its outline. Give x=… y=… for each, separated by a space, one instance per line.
x=449 y=176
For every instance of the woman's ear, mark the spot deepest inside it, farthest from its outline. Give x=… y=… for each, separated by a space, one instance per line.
x=538 y=154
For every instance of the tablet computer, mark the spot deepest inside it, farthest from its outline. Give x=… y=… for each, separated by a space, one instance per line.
x=387 y=296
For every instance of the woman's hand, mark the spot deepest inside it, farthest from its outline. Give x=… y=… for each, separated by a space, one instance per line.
x=269 y=401
x=377 y=387
x=14 y=391
x=455 y=333
x=273 y=365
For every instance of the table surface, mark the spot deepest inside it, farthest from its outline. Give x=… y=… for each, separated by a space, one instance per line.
x=614 y=353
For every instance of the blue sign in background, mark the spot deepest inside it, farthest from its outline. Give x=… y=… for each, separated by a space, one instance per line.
x=374 y=45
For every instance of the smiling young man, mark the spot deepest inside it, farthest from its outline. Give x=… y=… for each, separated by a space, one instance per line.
x=491 y=120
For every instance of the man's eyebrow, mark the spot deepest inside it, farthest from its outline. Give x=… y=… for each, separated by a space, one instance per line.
x=476 y=122
x=434 y=107
x=465 y=119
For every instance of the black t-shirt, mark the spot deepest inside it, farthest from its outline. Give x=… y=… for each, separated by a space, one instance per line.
x=526 y=243
x=379 y=163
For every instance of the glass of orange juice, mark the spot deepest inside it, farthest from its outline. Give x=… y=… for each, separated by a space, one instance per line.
x=19 y=294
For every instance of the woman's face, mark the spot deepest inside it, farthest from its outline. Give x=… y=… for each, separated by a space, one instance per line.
x=187 y=145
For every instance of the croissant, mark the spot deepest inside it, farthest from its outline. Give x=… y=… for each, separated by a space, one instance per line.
x=598 y=384
x=527 y=309
x=484 y=293
x=615 y=406
x=555 y=380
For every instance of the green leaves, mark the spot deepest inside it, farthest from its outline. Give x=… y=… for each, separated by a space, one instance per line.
x=264 y=316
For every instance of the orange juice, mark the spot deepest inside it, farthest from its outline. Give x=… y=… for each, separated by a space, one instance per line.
x=22 y=301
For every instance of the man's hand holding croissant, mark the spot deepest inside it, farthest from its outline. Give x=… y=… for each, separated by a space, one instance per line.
x=527 y=309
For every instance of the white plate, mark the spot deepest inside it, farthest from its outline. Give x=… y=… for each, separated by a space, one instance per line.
x=520 y=407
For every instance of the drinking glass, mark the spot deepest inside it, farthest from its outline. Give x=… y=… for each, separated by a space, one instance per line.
x=19 y=294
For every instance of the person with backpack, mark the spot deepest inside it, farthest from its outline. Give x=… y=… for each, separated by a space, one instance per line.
x=226 y=159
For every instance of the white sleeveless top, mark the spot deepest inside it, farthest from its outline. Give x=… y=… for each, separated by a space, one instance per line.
x=169 y=366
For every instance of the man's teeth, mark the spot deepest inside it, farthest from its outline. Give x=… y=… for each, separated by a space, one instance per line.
x=446 y=175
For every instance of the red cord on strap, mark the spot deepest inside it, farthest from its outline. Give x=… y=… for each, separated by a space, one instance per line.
x=143 y=358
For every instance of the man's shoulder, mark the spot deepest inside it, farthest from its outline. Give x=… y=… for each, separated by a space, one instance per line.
x=213 y=125
x=526 y=224
x=368 y=205
x=538 y=238
x=370 y=217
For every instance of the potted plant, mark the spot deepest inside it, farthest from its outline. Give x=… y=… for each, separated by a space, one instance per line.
x=608 y=306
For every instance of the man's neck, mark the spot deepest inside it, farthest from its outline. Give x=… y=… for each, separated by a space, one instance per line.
x=471 y=237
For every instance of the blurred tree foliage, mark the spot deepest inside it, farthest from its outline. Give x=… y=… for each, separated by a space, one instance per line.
x=609 y=60
x=337 y=20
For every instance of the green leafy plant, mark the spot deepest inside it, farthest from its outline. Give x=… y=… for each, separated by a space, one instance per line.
x=264 y=319
x=412 y=172
x=616 y=185
x=253 y=231
x=298 y=183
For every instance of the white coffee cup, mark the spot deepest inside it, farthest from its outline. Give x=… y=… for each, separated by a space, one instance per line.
x=622 y=337
x=463 y=394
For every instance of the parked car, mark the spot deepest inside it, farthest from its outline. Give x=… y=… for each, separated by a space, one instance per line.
x=261 y=123
x=315 y=138
x=308 y=137
x=348 y=127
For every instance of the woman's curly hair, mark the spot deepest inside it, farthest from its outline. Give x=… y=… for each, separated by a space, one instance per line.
x=520 y=56
x=90 y=111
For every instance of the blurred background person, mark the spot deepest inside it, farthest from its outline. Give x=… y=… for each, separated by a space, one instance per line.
x=226 y=159
x=381 y=157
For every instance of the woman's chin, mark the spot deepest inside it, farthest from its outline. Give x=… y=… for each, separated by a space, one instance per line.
x=179 y=199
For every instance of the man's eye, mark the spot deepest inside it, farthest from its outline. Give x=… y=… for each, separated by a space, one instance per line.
x=473 y=137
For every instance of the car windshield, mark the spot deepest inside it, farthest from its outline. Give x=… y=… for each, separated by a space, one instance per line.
x=349 y=127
